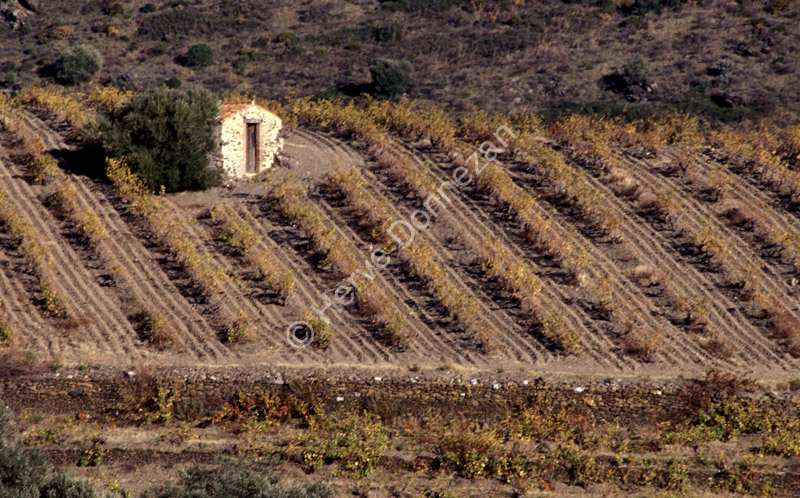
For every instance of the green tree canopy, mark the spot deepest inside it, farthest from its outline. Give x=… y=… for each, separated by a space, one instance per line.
x=390 y=77
x=200 y=56
x=167 y=135
x=78 y=64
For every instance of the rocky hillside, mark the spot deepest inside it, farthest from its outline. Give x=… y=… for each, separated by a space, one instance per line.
x=724 y=59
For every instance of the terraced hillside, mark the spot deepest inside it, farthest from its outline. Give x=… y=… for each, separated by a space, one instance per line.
x=583 y=246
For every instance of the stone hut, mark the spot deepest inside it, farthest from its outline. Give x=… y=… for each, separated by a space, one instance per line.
x=248 y=138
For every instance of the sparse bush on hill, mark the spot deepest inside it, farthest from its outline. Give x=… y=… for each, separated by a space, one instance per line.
x=390 y=77
x=722 y=71
x=389 y=32
x=113 y=8
x=184 y=22
x=78 y=65
x=6 y=333
x=199 y=56
x=240 y=65
x=640 y=7
x=636 y=73
x=9 y=79
x=174 y=82
x=166 y=134
x=421 y=6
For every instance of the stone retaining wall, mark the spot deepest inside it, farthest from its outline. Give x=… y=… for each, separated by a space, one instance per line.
x=49 y=394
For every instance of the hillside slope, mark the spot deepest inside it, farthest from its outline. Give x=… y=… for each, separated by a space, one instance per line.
x=722 y=59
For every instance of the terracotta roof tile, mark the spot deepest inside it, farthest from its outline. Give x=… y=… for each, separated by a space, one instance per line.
x=229 y=109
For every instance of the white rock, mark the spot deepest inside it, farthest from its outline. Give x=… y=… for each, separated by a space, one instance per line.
x=473 y=382
x=524 y=382
x=495 y=386
x=580 y=389
x=378 y=379
x=339 y=399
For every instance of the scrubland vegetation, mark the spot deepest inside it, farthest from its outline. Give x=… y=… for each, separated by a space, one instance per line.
x=630 y=58
x=734 y=439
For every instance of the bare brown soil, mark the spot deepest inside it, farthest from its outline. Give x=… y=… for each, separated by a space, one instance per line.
x=104 y=285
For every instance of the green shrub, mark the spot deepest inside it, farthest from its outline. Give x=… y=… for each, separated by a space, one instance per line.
x=78 y=64
x=64 y=486
x=470 y=450
x=722 y=422
x=232 y=480
x=640 y=7
x=149 y=8
x=389 y=32
x=167 y=135
x=9 y=79
x=114 y=9
x=240 y=65
x=390 y=77
x=636 y=73
x=199 y=56
x=25 y=472
x=784 y=443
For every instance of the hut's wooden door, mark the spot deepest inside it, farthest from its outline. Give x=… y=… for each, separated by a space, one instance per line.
x=252 y=144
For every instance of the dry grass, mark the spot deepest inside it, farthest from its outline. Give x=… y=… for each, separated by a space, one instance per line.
x=643 y=342
x=55 y=100
x=6 y=330
x=155 y=330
